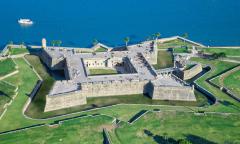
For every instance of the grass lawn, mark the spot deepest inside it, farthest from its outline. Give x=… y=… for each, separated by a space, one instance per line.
x=171 y=126
x=7 y=91
x=7 y=66
x=165 y=60
x=82 y=130
x=232 y=82
x=38 y=103
x=26 y=80
x=180 y=50
x=174 y=44
x=102 y=71
x=16 y=51
x=101 y=49
x=227 y=51
x=226 y=103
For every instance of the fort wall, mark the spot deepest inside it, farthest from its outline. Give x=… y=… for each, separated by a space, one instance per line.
x=188 y=74
x=113 y=88
x=65 y=100
x=184 y=93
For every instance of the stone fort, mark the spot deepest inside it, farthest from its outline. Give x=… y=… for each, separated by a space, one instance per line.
x=135 y=75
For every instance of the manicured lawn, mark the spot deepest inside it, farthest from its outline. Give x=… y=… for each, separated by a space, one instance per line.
x=7 y=66
x=227 y=51
x=7 y=91
x=101 y=49
x=161 y=127
x=174 y=44
x=102 y=71
x=88 y=130
x=232 y=82
x=181 y=50
x=165 y=60
x=38 y=103
x=226 y=103
x=16 y=51
x=26 y=80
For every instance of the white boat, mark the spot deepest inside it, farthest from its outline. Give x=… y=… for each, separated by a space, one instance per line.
x=25 y=21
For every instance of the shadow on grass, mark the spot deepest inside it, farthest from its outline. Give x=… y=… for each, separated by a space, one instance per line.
x=198 y=140
x=229 y=104
x=165 y=139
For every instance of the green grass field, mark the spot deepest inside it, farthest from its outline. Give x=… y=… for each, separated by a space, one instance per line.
x=102 y=71
x=16 y=51
x=166 y=127
x=232 y=82
x=101 y=49
x=81 y=130
x=180 y=50
x=165 y=60
x=174 y=44
x=227 y=51
x=7 y=66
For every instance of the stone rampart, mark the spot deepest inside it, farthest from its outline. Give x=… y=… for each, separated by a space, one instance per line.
x=184 y=93
x=66 y=100
x=113 y=88
x=188 y=74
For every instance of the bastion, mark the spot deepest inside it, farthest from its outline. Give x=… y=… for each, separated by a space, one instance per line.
x=135 y=75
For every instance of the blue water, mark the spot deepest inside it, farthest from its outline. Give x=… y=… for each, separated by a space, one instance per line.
x=78 y=22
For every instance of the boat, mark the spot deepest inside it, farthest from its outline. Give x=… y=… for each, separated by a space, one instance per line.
x=25 y=21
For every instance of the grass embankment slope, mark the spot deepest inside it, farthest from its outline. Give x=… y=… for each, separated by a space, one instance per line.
x=7 y=66
x=16 y=51
x=26 y=80
x=225 y=103
x=82 y=130
x=163 y=127
x=227 y=51
x=7 y=90
x=232 y=82
x=38 y=103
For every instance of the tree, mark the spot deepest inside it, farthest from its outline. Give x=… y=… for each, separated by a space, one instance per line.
x=221 y=55
x=185 y=36
x=126 y=40
x=53 y=43
x=157 y=35
x=58 y=42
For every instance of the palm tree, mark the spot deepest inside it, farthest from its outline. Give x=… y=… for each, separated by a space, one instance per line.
x=53 y=42
x=58 y=42
x=185 y=36
x=126 y=40
x=157 y=35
